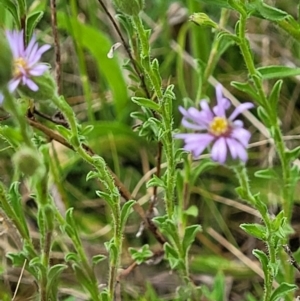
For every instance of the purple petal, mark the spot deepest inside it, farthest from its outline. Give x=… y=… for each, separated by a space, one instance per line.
x=10 y=35
x=206 y=112
x=30 y=46
x=38 y=70
x=197 y=147
x=221 y=107
x=219 y=150
x=237 y=150
x=31 y=85
x=196 y=143
x=222 y=103
x=13 y=84
x=242 y=135
x=39 y=53
x=1 y=98
x=238 y=123
x=192 y=126
x=32 y=55
x=231 y=146
x=191 y=113
x=242 y=107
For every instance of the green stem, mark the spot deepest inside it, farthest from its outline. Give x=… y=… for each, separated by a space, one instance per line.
x=214 y=53
x=112 y=192
x=276 y=132
x=242 y=176
x=14 y=109
x=166 y=107
x=145 y=56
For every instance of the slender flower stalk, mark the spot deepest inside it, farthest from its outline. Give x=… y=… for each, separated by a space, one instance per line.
x=226 y=134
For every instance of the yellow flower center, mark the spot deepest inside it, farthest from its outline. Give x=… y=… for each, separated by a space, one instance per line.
x=219 y=126
x=19 y=64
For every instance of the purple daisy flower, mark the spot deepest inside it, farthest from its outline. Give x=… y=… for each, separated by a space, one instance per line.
x=26 y=60
x=224 y=133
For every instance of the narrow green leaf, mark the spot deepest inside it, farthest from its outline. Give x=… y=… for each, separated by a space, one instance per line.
x=255 y=230
x=91 y=175
x=293 y=154
x=84 y=280
x=192 y=211
x=189 y=236
x=69 y=217
x=54 y=273
x=155 y=181
x=263 y=258
x=145 y=102
x=219 y=3
x=269 y=12
x=268 y=173
x=108 y=198
x=125 y=212
x=31 y=22
x=98 y=258
x=246 y=88
x=105 y=295
x=282 y=290
x=171 y=255
x=270 y=72
x=71 y=256
x=13 y=9
x=274 y=95
x=264 y=116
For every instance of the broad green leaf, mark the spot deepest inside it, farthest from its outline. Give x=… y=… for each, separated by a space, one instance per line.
x=99 y=45
x=271 y=72
x=31 y=22
x=282 y=290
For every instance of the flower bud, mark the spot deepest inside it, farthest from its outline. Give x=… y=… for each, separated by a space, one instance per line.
x=29 y=162
x=129 y=7
x=6 y=62
x=47 y=88
x=202 y=19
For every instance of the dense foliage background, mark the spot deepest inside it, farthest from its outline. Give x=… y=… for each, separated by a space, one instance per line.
x=99 y=90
